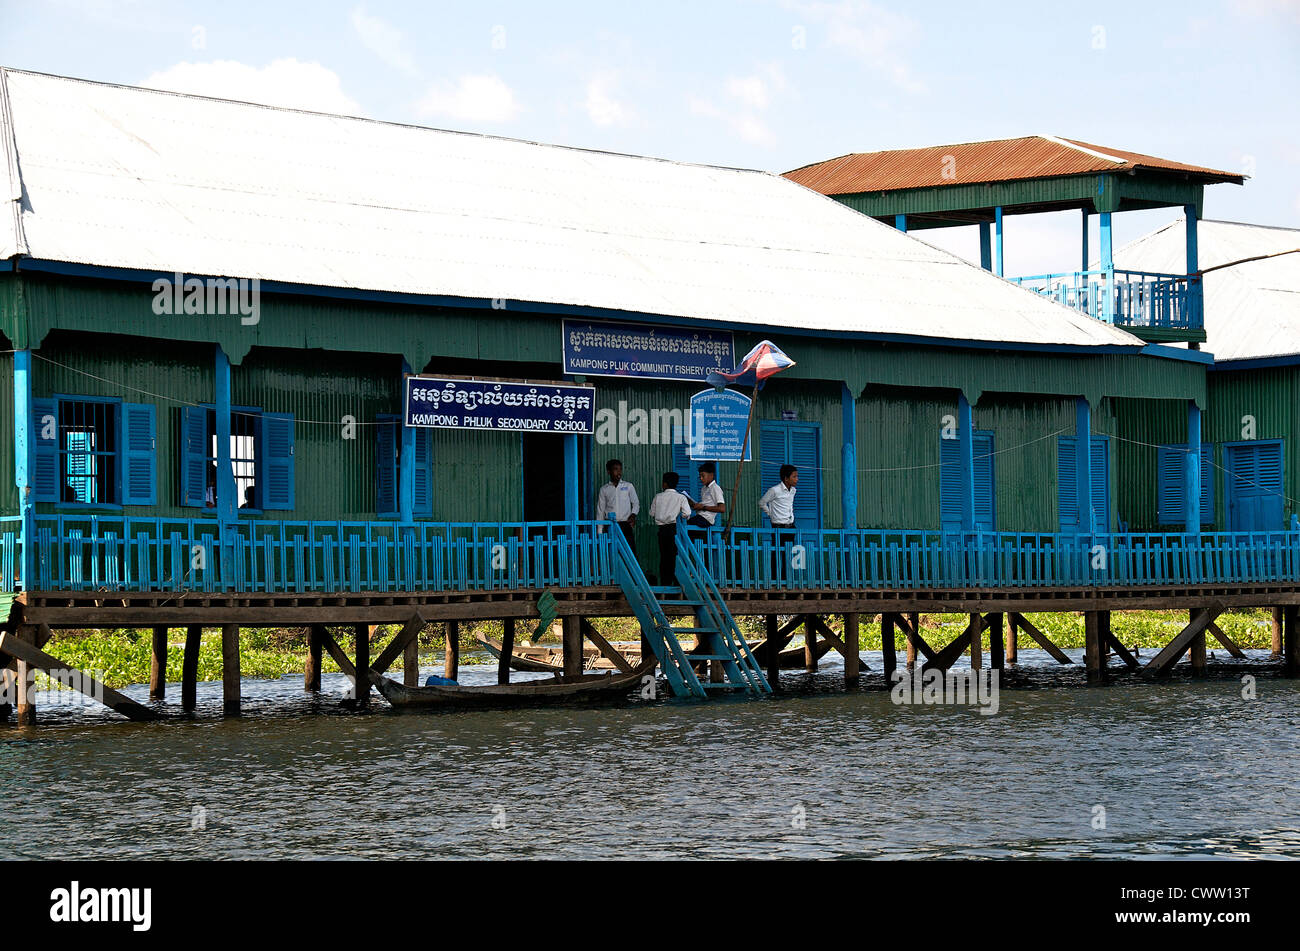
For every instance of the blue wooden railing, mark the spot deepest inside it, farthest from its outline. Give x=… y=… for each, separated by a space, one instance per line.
x=1140 y=298
x=87 y=553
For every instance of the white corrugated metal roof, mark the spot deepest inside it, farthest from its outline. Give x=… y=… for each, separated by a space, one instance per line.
x=137 y=178
x=1251 y=310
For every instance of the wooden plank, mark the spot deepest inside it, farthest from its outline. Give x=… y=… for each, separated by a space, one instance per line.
x=1094 y=656
x=411 y=663
x=1013 y=639
x=977 y=625
x=1123 y=652
x=451 y=653
x=1229 y=644
x=852 y=662
x=311 y=670
x=1164 y=661
x=948 y=656
x=1277 y=632
x=571 y=639
x=602 y=645
x=32 y=657
x=158 y=664
x=230 y=669
x=1042 y=639
x=811 y=624
x=336 y=653
x=361 y=680
x=409 y=632
x=508 y=648
x=824 y=629
x=916 y=643
x=190 y=668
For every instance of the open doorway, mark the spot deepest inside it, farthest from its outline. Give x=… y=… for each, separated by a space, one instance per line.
x=544 y=475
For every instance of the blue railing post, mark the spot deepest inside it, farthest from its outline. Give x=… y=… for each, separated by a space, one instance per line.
x=997 y=241
x=406 y=461
x=22 y=463
x=1192 y=462
x=1107 y=267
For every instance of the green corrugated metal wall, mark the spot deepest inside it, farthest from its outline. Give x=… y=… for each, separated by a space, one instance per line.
x=8 y=491
x=1272 y=397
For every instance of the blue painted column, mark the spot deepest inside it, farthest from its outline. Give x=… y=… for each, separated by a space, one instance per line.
x=997 y=240
x=571 y=477
x=1192 y=479
x=1196 y=295
x=227 y=504
x=1107 y=267
x=406 y=460
x=966 y=433
x=22 y=466
x=1083 y=243
x=900 y=222
x=848 y=458
x=986 y=245
x=1083 y=462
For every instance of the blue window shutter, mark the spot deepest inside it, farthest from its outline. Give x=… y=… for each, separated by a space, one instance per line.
x=950 y=484
x=1207 y=483
x=194 y=433
x=1067 y=502
x=1170 y=484
x=1100 y=460
x=805 y=455
x=139 y=456
x=46 y=477
x=386 y=465
x=423 y=504
x=985 y=504
x=773 y=452
x=276 y=463
x=687 y=469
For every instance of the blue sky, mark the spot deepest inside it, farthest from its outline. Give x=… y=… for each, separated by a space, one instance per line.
x=757 y=83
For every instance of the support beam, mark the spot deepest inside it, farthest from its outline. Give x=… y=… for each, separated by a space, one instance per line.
x=997 y=241
x=361 y=669
x=997 y=659
x=817 y=624
x=605 y=647
x=227 y=503
x=409 y=633
x=773 y=654
x=230 y=669
x=31 y=658
x=810 y=643
x=158 y=664
x=986 y=246
x=1229 y=644
x=900 y=222
x=948 y=656
x=976 y=627
x=1042 y=640
x=1083 y=243
x=22 y=384
x=852 y=662
x=1107 y=267
x=1197 y=649
x=311 y=670
x=341 y=659
x=451 y=651
x=888 y=648
x=24 y=671
x=1121 y=650
x=1197 y=287
x=508 y=649
x=1013 y=638
x=572 y=642
x=1094 y=656
x=1164 y=661
x=1277 y=633
x=1192 y=471
x=1291 y=641
x=848 y=458
x=190 y=668
x=411 y=663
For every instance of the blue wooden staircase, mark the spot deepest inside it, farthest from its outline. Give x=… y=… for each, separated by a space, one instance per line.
x=712 y=624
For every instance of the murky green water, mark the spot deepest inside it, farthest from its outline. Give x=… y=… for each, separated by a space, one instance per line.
x=1180 y=769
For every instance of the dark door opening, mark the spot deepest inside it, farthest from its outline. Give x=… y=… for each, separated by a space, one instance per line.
x=544 y=475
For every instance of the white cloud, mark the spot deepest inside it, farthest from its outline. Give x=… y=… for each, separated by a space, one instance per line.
x=748 y=97
x=744 y=124
x=284 y=82
x=756 y=91
x=601 y=105
x=866 y=32
x=473 y=98
x=384 y=40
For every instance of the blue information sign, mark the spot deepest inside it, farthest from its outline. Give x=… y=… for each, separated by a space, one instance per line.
x=443 y=403
x=718 y=423
x=596 y=348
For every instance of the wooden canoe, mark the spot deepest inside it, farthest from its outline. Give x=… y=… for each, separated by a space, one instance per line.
x=547 y=660
x=558 y=689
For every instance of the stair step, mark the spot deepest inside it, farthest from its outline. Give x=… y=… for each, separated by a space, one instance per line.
x=695 y=657
x=682 y=602
x=722 y=686
x=696 y=630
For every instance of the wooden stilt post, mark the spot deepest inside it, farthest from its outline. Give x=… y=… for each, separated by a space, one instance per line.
x=158 y=664
x=1197 y=649
x=361 y=666
x=572 y=637
x=1013 y=638
x=507 y=649
x=851 y=660
x=1277 y=632
x=1092 y=640
x=997 y=660
x=190 y=668
x=1291 y=641
x=887 y=648
x=7 y=682
x=810 y=647
x=773 y=655
x=976 y=643
x=311 y=670
x=451 y=655
x=911 y=640
x=411 y=663
x=24 y=688
x=230 y=669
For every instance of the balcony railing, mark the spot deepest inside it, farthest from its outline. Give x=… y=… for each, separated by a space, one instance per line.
x=89 y=553
x=1137 y=299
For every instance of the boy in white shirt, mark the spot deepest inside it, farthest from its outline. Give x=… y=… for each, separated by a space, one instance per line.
x=665 y=509
x=618 y=498
x=711 y=503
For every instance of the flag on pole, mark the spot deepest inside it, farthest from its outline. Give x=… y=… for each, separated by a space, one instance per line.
x=763 y=361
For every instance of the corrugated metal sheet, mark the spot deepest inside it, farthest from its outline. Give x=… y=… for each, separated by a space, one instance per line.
x=1000 y=160
x=8 y=491
x=1251 y=310
x=151 y=180
x=1271 y=398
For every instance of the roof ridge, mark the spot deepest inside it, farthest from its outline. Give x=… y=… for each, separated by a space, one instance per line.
x=1086 y=151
